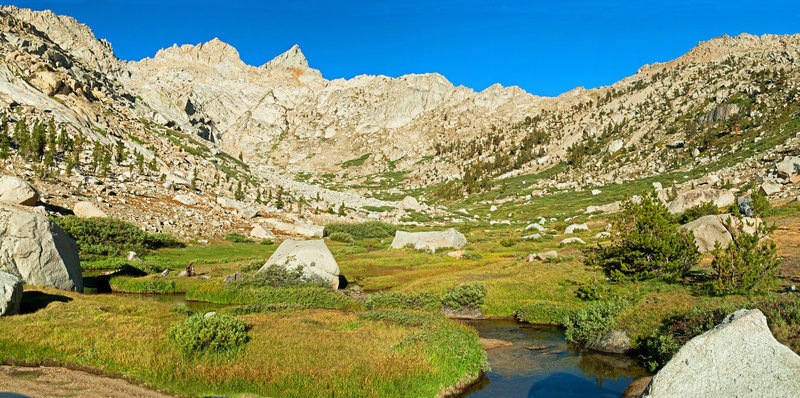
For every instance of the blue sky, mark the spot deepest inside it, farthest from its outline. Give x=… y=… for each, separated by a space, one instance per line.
x=544 y=47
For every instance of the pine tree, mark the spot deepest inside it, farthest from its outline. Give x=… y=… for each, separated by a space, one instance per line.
x=341 y=210
x=97 y=155
x=21 y=137
x=239 y=194
x=5 y=140
x=140 y=162
x=38 y=141
x=120 y=152
x=194 y=178
x=258 y=196
x=105 y=166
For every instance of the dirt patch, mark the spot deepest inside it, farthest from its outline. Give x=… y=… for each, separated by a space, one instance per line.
x=47 y=382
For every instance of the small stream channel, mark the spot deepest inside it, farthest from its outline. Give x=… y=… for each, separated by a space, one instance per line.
x=540 y=363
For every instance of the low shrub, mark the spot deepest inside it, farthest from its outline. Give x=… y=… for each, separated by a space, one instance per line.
x=218 y=333
x=508 y=242
x=183 y=310
x=465 y=295
x=364 y=230
x=418 y=301
x=748 y=264
x=544 y=314
x=111 y=237
x=471 y=255
x=341 y=237
x=236 y=237
x=693 y=213
x=144 y=284
x=593 y=321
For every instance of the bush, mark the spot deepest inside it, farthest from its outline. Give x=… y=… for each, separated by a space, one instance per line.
x=649 y=244
x=508 y=242
x=236 y=237
x=594 y=321
x=364 y=230
x=471 y=255
x=341 y=237
x=748 y=263
x=465 y=295
x=111 y=237
x=693 y=213
x=418 y=301
x=214 y=334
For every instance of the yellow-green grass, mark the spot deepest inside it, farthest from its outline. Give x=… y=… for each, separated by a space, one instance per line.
x=290 y=353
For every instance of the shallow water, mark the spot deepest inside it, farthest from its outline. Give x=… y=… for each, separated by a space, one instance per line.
x=551 y=369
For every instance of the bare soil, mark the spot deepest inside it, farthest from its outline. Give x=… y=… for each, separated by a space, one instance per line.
x=47 y=382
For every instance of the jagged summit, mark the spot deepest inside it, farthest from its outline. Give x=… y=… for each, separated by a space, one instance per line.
x=213 y=52
x=292 y=58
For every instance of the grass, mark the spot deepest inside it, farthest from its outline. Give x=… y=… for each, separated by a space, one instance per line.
x=289 y=353
x=357 y=161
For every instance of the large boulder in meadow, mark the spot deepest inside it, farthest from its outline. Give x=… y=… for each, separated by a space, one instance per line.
x=16 y=190
x=37 y=250
x=312 y=255
x=686 y=200
x=708 y=230
x=429 y=241
x=738 y=358
x=10 y=293
x=88 y=210
x=575 y=228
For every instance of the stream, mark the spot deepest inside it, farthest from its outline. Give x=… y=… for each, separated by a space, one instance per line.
x=540 y=363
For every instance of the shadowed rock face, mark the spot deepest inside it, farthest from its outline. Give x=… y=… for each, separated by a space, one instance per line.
x=10 y=293
x=37 y=250
x=738 y=358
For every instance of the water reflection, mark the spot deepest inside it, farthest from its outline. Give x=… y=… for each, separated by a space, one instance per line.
x=541 y=364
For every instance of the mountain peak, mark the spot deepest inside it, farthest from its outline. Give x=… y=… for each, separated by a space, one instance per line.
x=292 y=58
x=212 y=52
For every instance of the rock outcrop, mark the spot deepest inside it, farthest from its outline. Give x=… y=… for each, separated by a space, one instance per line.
x=615 y=342
x=429 y=241
x=686 y=200
x=312 y=255
x=708 y=230
x=307 y=230
x=37 y=250
x=575 y=228
x=16 y=190
x=738 y=358
x=10 y=293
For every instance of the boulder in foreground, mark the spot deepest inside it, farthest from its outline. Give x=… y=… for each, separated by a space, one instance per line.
x=313 y=255
x=738 y=358
x=16 y=190
x=37 y=250
x=429 y=241
x=10 y=293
